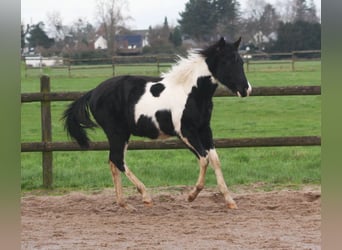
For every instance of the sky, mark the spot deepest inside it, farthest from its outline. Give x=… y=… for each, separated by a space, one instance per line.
x=143 y=12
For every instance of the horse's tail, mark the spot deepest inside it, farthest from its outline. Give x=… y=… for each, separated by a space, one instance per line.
x=77 y=118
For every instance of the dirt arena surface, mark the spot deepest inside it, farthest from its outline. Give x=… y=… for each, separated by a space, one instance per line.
x=281 y=219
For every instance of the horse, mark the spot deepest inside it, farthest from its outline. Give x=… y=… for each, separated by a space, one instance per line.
x=177 y=103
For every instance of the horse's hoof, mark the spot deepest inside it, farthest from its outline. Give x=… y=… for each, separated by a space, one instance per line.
x=191 y=197
x=148 y=203
x=232 y=205
x=128 y=207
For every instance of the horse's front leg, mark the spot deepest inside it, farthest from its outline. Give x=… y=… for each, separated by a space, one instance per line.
x=215 y=162
x=193 y=142
x=203 y=164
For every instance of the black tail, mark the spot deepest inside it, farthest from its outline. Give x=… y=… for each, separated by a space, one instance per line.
x=77 y=119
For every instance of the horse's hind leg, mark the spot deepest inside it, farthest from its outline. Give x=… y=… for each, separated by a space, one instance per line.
x=116 y=176
x=140 y=186
x=117 y=165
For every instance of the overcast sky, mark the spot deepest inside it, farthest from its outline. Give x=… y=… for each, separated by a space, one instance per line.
x=143 y=12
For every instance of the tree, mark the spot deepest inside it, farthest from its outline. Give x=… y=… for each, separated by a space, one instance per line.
x=300 y=35
x=176 y=37
x=254 y=9
x=226 y=17
x=55 y=25
x=206 y=19
x=24 y=32
x=312 y=13
x=111 y=17
x=37 y=37
x=298 y=10
x=269 y=20
x=198 y=19
x=159 y=38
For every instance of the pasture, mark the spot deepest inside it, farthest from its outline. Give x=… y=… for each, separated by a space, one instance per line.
x=277 y=189
x=232 y=118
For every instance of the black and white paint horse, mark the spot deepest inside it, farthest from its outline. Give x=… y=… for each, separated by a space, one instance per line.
x=179 y=103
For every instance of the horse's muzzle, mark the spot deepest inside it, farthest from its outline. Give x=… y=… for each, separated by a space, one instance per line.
x=245 y=92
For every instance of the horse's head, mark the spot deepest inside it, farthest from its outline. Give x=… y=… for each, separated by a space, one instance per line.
x=226 y=65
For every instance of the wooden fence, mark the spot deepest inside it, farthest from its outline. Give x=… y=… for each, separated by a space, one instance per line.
x=285 y=58
x=47 y=146
x=158 y=62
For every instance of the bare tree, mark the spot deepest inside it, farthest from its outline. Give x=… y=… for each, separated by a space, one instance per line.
x=297 y=10
x=111 y=17
x=55 y=25
x=254 y=9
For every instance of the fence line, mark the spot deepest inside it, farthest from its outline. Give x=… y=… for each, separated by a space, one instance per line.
x=46 y=146
x=220 y=92
x=176 y=144
x=159 y=61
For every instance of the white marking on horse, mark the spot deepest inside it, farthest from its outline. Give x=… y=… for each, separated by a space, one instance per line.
x=178 y=84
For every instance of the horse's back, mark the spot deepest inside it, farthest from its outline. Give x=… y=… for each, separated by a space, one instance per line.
x=119 y=88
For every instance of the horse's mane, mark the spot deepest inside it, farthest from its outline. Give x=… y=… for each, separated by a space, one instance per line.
x=187 y=69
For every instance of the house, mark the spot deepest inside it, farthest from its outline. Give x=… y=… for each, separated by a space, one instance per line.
x=129 y=44
x=100 y=43
x=259 y=38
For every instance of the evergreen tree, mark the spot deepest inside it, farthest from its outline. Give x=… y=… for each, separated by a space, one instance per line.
x=269 y=20
x=298 y=36
x=23 y=36
x=176 y=37
x=37 y=37
x=206 y=19
x=226 y=17
x=198 y=19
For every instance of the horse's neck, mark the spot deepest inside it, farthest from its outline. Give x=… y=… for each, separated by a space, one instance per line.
x=187 y=71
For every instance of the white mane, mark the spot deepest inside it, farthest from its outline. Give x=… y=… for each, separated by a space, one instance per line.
x=187 y=70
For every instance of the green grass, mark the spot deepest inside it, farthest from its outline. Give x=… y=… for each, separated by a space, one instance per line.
x=232 y=118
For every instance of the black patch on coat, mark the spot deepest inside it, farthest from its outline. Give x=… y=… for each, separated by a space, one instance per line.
x=156 y=89
x=112 y=105
x=164 y=118
x=197 y=114
x=146 y=127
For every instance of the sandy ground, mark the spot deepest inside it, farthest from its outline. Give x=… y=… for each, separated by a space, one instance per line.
x=265 y=220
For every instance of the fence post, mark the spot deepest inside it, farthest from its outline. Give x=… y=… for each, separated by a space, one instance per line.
x=69 y=67
x=25 y=67
x=113 y=65
x=247 y=64
x=46 y=131
x=293 y=60
x=158 y=65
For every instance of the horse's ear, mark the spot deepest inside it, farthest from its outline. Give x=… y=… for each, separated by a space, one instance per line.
x=237 y=43
x=221 y=43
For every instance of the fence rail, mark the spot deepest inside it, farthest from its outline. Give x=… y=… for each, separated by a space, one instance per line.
x=158 y=62
x=46 y=146
x=176 y=144
x=220 y=92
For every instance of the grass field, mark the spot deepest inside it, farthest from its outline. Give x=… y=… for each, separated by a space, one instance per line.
x=232 y=118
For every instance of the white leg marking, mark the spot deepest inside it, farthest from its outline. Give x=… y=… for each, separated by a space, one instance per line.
x=249 y=90
x=203 y=164
x=215 y=162
x=140 y=187
x=116 y=176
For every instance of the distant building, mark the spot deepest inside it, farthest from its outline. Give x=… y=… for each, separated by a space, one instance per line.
x=100 y=43
x=129 y=44
x=126 y=44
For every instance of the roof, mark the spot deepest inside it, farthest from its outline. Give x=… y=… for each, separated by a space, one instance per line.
x=130 y=39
